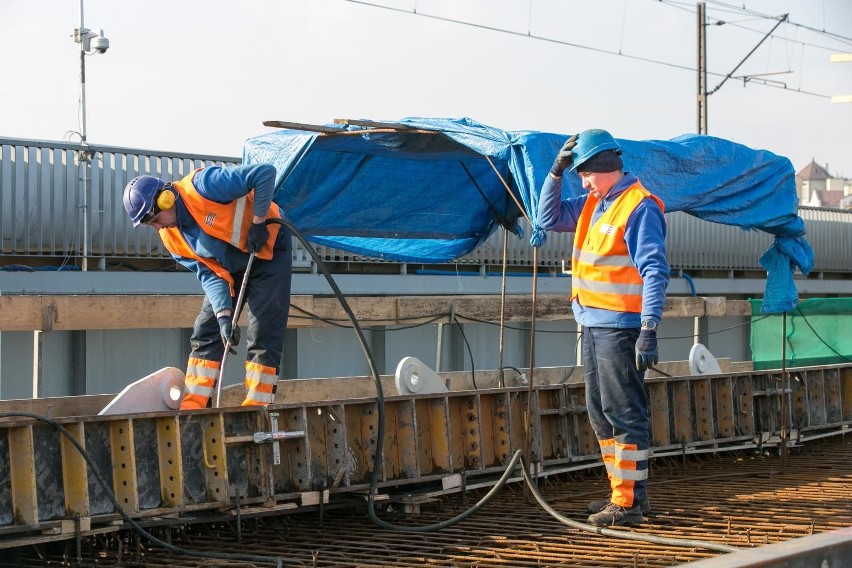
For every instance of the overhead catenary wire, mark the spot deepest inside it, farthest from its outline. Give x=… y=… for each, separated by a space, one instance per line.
x=618 y=53
x=744 y=10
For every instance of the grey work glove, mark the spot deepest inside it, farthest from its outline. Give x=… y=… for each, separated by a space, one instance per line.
x=257 y=237
x=230 y=333
x=565 y=157
x=646 y=350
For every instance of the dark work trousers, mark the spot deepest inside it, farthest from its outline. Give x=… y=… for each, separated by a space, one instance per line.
x=267 y=305
x=617 y=406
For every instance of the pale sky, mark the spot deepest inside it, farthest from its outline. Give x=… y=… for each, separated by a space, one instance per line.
x=200 y=76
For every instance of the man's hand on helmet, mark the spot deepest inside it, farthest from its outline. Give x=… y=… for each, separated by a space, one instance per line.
x=564 y=158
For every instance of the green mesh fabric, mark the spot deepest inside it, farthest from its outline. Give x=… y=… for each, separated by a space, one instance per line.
x=819 y=332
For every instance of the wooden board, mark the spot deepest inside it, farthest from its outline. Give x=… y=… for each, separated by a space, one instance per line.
x=139 y=311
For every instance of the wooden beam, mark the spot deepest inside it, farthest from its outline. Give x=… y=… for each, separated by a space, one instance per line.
x=373 y=124
x=137 y=311
x=301 y=126
x=374 y=128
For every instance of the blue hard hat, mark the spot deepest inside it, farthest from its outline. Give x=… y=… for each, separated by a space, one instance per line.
x=593 y=142
x=139 y=197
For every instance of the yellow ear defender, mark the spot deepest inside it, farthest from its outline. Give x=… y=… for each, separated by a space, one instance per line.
x=166 y=199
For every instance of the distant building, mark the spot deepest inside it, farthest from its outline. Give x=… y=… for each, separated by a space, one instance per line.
x=816 y=187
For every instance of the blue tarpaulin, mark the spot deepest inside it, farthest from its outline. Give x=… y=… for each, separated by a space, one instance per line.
x=424 y=190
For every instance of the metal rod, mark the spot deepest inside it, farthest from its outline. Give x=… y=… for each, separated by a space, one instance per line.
x=781 y=20
x=503 y=308
x=783 y=392
x=702 y=69
x=528 y=442
x=234 y=319
x=84 y=163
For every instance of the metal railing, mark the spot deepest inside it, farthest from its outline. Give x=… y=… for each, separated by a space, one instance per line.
x=55 y=205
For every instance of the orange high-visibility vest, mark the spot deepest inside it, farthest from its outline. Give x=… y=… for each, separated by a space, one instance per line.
x=229 y=222
x=603 y=275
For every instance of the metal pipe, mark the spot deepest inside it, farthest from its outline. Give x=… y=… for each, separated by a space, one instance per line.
x=234 y=318
x=82 y=155
x=783 y=392
x=503 y=308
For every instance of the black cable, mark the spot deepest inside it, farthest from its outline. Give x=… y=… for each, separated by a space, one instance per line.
x=380 y=405
x=335 y=322
x=617 y=533
x=749 y=322
x=573 y=367
x=133 y=524
x=824 y=342
x=537 y=331
x=469 y=353
x=379 y=444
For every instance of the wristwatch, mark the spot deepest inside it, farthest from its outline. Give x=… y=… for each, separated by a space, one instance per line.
x=649 y=325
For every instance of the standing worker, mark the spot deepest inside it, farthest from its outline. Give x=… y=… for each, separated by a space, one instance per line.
x=212 y=221
x=618 y=289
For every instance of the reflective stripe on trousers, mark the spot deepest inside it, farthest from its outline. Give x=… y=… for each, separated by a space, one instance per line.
x=201 y=375
x=622 y=463
x=267 y=306
x=618 y=409
x=261 y=383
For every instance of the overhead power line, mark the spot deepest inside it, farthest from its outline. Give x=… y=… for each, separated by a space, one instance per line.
x=530 y=35
x=739 y=10
x=690 y=7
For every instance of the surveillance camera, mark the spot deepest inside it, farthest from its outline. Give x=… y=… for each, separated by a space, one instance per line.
x=100 y=43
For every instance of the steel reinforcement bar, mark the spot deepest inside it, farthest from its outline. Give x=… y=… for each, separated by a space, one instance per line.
x=174 y=468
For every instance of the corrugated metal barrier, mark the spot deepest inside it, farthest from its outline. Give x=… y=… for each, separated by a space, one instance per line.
x=51 y=198
x=53 y=205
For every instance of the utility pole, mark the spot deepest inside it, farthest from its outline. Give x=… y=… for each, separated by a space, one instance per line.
x=702 y=69
x=703 y=93
x=90 y=42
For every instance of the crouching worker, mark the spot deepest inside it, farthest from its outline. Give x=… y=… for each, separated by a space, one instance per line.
x=211 y=221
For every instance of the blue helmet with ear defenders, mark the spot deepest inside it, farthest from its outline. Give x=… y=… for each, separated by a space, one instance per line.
x=139 y=197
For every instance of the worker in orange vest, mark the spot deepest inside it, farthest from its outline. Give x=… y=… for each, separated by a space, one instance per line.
x=211 y=221
x=619 y=279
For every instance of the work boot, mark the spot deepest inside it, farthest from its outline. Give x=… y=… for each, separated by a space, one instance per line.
x=598 y=506
x=616 y=516
x=190 y=404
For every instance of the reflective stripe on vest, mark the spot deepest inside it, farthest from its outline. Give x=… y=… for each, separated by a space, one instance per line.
x=176 y=244
x=603 y=275
x=229 y=222
x=261 y=382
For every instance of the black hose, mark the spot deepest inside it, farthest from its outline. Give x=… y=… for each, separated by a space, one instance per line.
x=380 y=403
x=380 y=432
x=620 y=534
x=133 y=524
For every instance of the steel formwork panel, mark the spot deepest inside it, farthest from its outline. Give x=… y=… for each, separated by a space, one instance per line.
x=170 y=464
